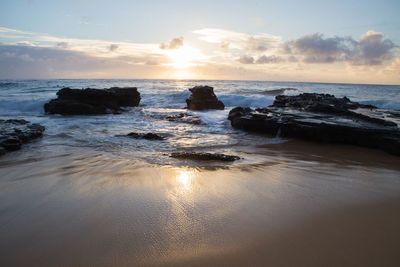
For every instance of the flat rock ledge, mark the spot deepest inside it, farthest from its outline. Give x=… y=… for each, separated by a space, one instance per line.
x=92 y=101
x=203 y=98
x=322 y=118
x=14 y=133
x=147 y=136
x=203 y=156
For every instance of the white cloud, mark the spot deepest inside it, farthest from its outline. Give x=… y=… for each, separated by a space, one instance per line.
x=100 y=48
x=237 y=40
x=173 y=44
x=8 y=30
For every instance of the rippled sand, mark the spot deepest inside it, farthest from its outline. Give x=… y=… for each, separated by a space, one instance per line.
x=299 y=204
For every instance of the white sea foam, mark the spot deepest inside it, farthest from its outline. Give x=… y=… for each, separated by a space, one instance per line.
x=22 y=107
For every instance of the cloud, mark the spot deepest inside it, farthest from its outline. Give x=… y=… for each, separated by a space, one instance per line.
x=394 y=68
x=317 y=49
x=173 y=44
x=246 y=60
x=113 y=47
x=292 y=59
x=84 y=20
x=62 y=45
x=258 y=56
x=268 y=59
x=261 y=60
x=370 y=49
x=8 y=30
x=19 y=61
x=237 y=40
x=100 y=48
x=224 y=45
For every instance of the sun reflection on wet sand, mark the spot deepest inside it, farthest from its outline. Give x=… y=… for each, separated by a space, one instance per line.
x=184 y=179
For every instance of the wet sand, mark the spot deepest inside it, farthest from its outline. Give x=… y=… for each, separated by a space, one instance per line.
x=359 y=235
x=299 y=204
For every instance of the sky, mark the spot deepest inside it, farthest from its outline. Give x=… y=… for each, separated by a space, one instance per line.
x=312 y=41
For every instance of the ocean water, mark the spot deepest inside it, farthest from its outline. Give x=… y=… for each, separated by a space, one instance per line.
x=161 y=98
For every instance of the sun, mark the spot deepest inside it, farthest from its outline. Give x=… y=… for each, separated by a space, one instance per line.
x=184 y=57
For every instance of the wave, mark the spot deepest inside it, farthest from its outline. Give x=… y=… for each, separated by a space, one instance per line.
x=25 y=104
x=178 y=100
x=384 y=104
x=281 y=91
x=28 y=107
x=168 y=100
x=246 y=101
x=6 y=85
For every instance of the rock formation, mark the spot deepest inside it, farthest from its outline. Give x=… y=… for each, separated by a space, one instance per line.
x=14 y=133
x=203 y=156
x=321 y=117
x=147 y=136
x=92 y=101
x=203 y=98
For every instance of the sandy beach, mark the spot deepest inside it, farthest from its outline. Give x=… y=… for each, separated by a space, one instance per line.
x=68 y=206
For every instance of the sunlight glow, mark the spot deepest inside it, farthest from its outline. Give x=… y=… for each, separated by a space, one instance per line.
x=184 y=178
x=184 y=57
x=183 y=74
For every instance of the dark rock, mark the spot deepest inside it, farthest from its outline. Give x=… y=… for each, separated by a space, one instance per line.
x=92 y=101
x=14 y=133
x=312 y=102
x=202 y=98
x=203 y=156
x=185 y=118
x=320 y=117
x=147 y=136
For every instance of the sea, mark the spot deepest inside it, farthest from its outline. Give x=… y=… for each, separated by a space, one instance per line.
x=24 y=99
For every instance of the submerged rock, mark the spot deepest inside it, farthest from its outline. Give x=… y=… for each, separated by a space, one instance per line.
x=185 y=118
x=203 y=156
x=14 y=133
x=147 y=136
x=92 y=101
x=203 y=98
x=320 y=117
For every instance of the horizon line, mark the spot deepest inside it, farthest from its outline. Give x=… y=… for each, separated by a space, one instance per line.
x=167 y=79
